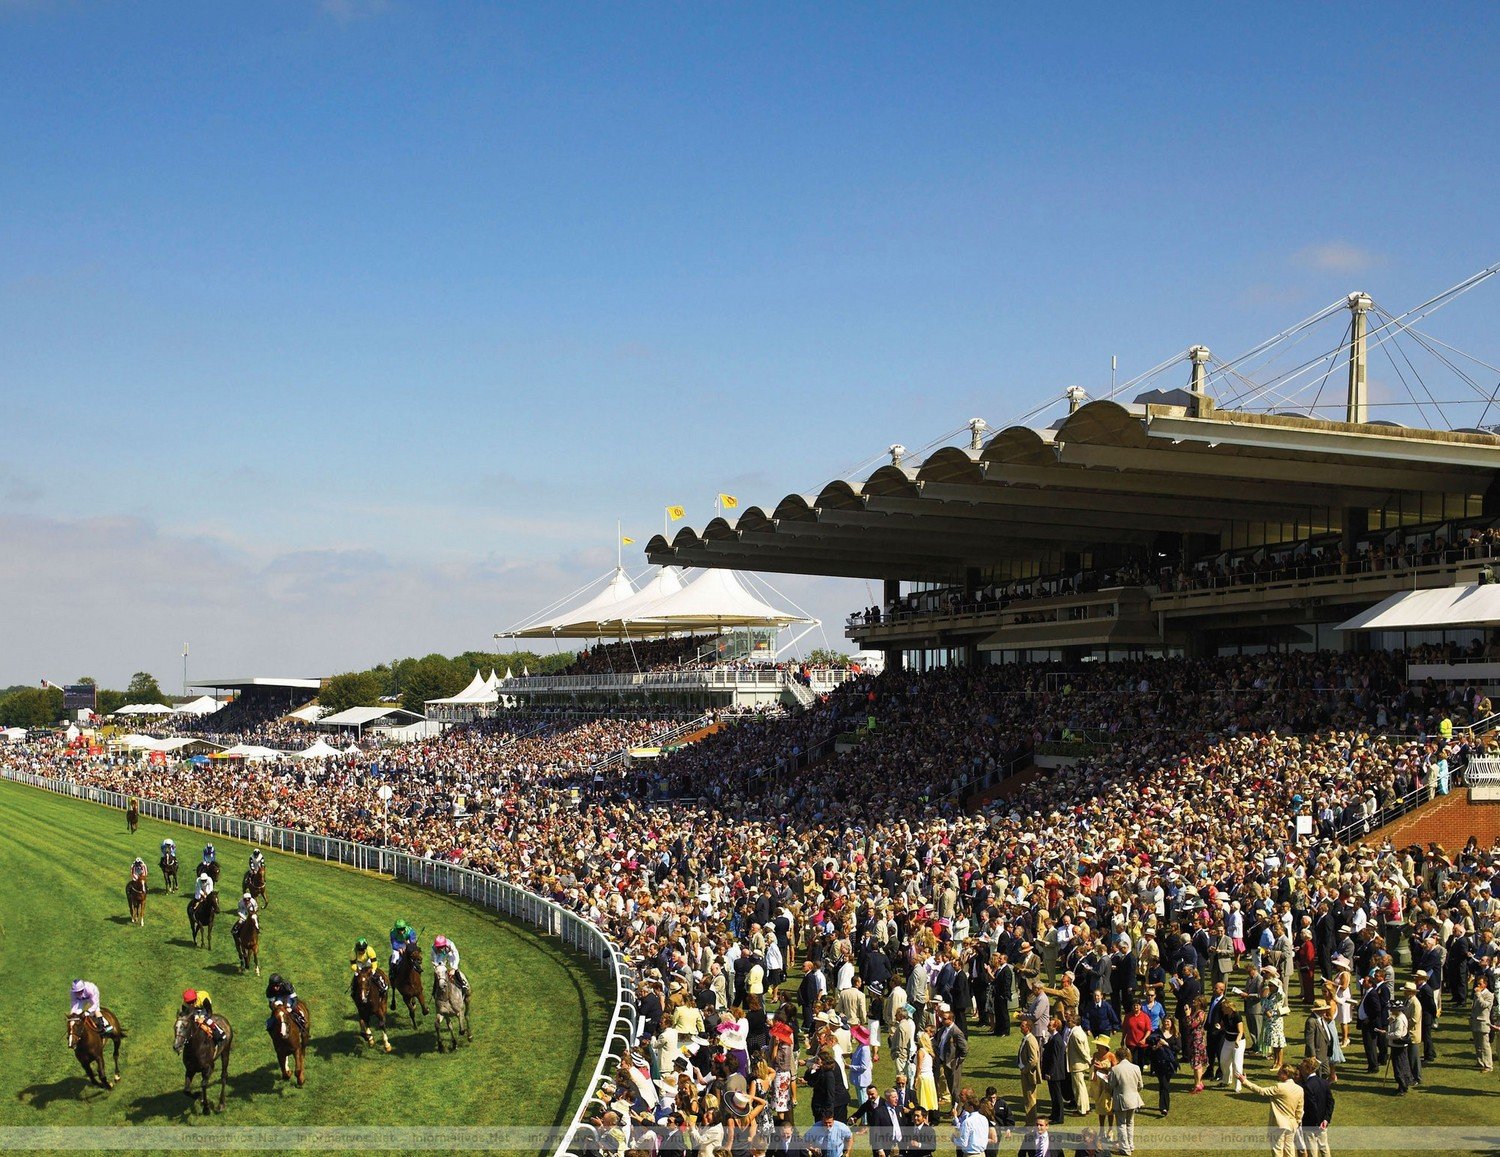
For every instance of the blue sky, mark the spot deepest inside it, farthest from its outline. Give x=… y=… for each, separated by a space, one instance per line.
x=334 y=332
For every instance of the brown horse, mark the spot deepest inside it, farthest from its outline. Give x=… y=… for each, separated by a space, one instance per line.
x=288 y=1038
x=212 y=871
x=132 y=816
x=407 y=979
x=370 y=989
x=87 y=1043
x=194 y=1040
x=247 y=943
x=201 y=918
x=135 y=897
x=168 y=866
x=255 y=883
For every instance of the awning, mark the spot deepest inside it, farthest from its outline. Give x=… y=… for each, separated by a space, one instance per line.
x=1473 y=605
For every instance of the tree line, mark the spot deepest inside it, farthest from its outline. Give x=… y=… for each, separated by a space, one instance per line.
x=412 y=682
x=23 y=705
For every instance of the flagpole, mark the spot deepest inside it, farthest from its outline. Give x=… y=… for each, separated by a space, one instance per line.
x=619 y=546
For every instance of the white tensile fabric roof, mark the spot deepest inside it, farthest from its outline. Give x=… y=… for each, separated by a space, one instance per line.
x=667 y=582
x=713 y=598
x=144 y=709
x=203 y=705
x=478 y=691
x=252 y=752
x=562 y=625
x=359 y=716
x=1474 y=605
x=308 y=714
x=319 y=750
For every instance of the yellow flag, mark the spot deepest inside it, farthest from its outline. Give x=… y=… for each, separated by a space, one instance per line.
x=729 y=501
x=627 y=540
x=675 y=513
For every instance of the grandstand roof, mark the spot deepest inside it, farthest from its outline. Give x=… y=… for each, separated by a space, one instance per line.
x=363 y=716
x=1107 y=473
x=565 y=624
x=713 y=599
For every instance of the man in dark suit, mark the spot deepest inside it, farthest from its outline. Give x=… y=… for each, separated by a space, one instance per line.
x=961 y=994
x=1317 y=1108
x=1002 y=993
x=1374 y=1021
x=1427 y=1000
x=1055 y=1069
x=921 y=1139
x=887 y=1128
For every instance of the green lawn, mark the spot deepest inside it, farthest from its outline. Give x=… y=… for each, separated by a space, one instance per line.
x=539 y=1012
x=1456 y=1109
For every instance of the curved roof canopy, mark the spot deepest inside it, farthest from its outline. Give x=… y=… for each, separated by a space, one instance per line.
x=1107 y=473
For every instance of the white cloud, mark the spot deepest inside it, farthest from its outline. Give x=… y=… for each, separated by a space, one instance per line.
x=1338 y=257
x=106 y=597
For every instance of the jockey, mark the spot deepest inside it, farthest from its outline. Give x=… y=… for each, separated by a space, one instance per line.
x=246 y=911
x=85 y=995
x=364 y=955
x=257 y=861
x=402 y=935
x=364 y=960
x=138 y=870
x=168 y=848
x=208 y=853
x=280 y=990
x=203 y=887
x=445 y=956
x=196 y=1003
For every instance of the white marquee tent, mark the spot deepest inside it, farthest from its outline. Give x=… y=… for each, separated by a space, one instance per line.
x=144 y=709
x=566 y=624
x=713 y=599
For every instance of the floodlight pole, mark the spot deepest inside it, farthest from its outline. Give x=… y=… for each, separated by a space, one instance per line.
x=184 y=670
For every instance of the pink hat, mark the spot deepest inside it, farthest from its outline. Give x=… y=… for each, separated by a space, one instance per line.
x=440 y=942
x=860 y=1033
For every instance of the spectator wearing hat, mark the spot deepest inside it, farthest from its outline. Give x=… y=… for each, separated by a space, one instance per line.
x=951 y=1048
x=861 y=1060
x=1398 y=1036
x=1320 y=1038
x=1055 y=1068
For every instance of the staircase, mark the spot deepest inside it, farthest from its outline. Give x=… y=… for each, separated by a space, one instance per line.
x=801 y=694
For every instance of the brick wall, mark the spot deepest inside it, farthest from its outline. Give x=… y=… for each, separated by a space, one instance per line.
x=1450 y=820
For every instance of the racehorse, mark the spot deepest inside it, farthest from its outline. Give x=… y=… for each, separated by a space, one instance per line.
x=201 y=915
x=212 y=870
x=370 y=1004
x=135 y=896
x=168 y=865
x=199 y=1053
x=449 y=1003
x=132 y=816
x=287 y=1037
x=407 y=979
x=87 y=1043
x=255 y=883
x=247 y=943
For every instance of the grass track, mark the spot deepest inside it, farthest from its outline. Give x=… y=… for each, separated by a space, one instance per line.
x=539 y=1013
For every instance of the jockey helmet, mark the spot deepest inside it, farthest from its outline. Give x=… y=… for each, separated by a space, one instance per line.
x=361 y=945
x=79 y=988
x=138 y=860
x=190 y=996
x=402 y=926
x=276 y=981
x=440 y=942
x=247 y=896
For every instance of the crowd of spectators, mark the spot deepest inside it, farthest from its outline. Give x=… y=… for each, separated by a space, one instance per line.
x=734 y=861
x=631 y=656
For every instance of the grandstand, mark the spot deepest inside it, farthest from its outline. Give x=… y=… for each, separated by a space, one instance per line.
x=1167 y=525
